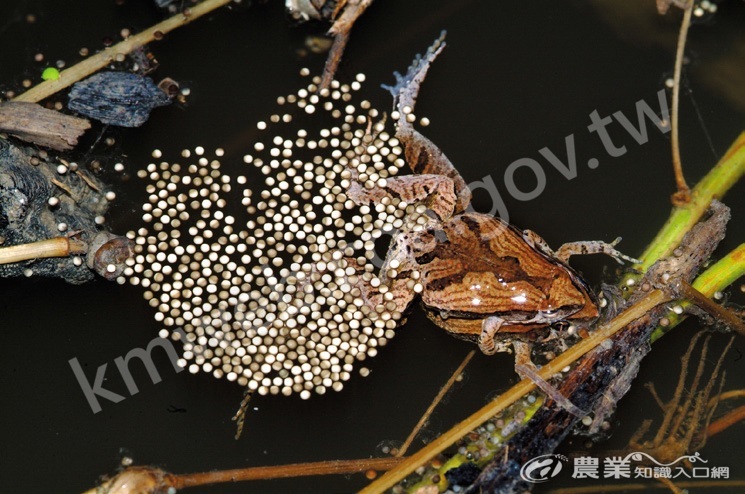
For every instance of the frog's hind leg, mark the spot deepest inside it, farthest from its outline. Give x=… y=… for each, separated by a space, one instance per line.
x=524 y=365
x=526 y=369
x=389 y=293
x=422 y=156
x=578 y=248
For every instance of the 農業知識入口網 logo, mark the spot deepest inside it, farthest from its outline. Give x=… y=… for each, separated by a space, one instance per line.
x=542 y=468
x=545 y=467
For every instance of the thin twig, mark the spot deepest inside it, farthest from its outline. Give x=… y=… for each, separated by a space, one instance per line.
x=150 y=480
x=64 y=187
x=728 y=420
x=435 y=402
x=101 y=59
x=712 y=308
x=334 y=467
x=683 y=195
x=88 y=180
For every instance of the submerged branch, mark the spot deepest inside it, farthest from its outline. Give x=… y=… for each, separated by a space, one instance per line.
x=717 y=277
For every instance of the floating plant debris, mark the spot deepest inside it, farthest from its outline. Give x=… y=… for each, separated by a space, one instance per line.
x=47 y=128
x=117 y=98
x=271 y=301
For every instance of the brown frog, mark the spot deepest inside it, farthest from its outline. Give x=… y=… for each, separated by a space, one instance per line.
x=479 y=277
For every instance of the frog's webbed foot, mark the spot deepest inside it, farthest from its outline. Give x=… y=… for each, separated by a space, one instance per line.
x=579 y=248
x=526 y=369
x=489 y=329
x=422 y=155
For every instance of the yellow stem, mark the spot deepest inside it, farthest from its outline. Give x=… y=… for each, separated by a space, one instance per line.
x=54 y=247
x=101 y=59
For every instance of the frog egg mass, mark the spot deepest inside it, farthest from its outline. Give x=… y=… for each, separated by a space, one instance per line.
x=260 y=286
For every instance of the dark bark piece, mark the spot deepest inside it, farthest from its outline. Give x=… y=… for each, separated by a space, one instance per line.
x=117 y=98
x=46 y=128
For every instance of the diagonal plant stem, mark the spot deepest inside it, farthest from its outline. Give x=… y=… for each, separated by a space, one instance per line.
x=438 y=398
x=101 y=59
x=150 y=480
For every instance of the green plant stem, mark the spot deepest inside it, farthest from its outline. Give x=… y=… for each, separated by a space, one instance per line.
x=714 y=185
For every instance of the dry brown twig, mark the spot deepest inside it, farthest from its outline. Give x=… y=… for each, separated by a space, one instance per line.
x=54 y=247
x=683 y=194
x=341 y=30
x=438 y=398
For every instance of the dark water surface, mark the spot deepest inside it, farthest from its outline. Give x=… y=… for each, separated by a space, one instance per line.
x=515 y=77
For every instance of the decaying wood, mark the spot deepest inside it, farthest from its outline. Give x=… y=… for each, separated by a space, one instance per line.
x=603 y=376
x=46 y=128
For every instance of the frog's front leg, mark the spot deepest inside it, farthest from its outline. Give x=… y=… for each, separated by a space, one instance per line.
x=578 y=248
